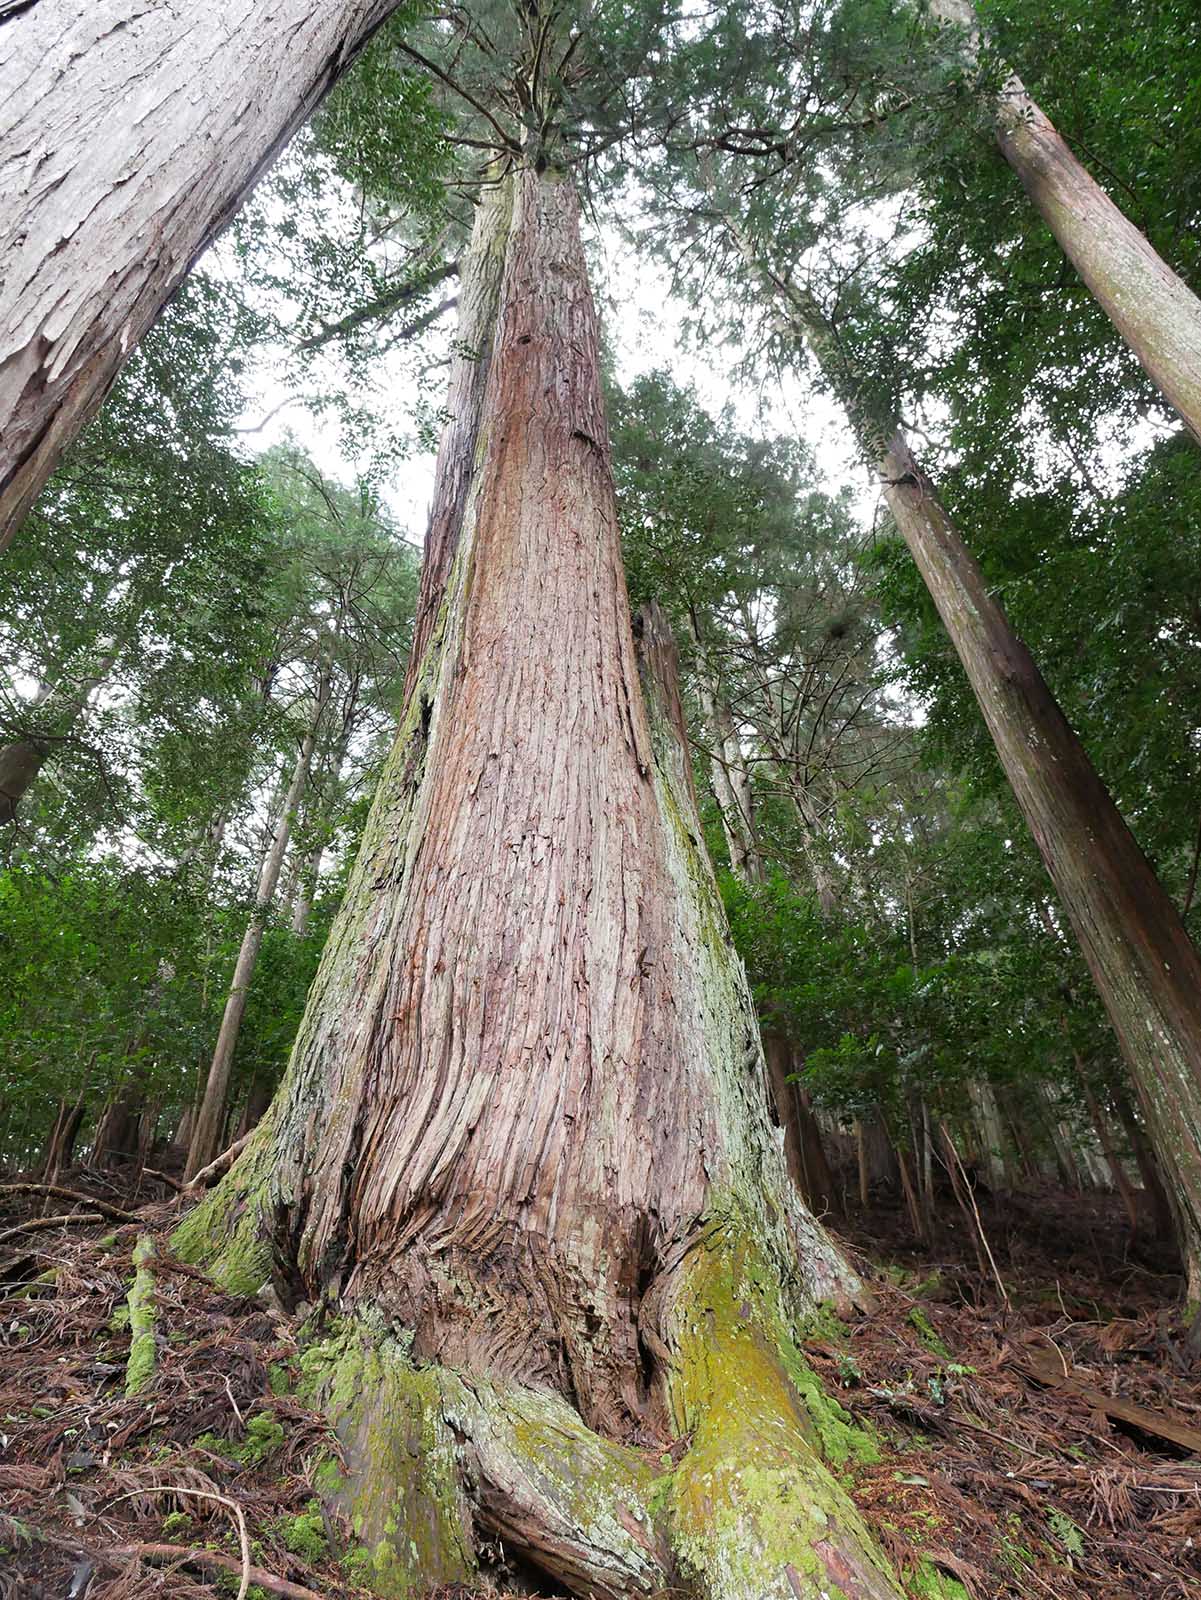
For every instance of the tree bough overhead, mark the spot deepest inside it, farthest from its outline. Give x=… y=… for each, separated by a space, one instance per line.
x=131 y=134
x=522 y=1152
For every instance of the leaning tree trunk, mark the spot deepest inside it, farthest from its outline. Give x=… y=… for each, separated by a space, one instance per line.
x=130 y=134
x=1142 y=961
x=210 y=1117
x=1153 y=309
x=524 y=1120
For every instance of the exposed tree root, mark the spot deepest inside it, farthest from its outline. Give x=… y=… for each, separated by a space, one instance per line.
x=754 y=1511
x=738 y=1503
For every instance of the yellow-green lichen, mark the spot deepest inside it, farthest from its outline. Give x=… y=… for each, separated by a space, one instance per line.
x=139 y=1368
x=599 y=1494
x=400 y=1490
x=753 y=1500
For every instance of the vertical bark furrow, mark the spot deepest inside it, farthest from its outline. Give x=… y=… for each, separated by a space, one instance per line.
x=529 y=1067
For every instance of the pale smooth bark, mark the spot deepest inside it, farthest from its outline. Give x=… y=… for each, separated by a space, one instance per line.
x=1153 y=309
x=210 y=1118
x=131 y=132
x=525 y=1117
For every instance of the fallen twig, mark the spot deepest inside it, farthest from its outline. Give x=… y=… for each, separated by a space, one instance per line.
x=114 y=1213
x=73 y=1218
x=217 y=1168
x=213 y=1559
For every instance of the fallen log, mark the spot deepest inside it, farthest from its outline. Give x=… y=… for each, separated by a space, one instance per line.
x=1047 y=1370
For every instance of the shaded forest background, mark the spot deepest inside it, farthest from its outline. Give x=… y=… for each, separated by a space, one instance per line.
x=181 y=615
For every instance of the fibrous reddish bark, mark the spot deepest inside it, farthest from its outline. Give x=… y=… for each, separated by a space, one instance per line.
x=525 y=1116
x=1153 y=309
x=131 y=131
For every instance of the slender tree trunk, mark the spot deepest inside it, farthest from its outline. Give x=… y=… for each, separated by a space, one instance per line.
x=992 y=1134
x=60 y=1146
x=309 y=873
x=1148 y=1166
x=210 y=1118
x=917 y=1217
x=525 y=1116
x=1155 y=312
x=727 y=769
x=131 y=132
x=1145 y=968
x=821 y=1194
x=1113 y=1160
x=24 y=758
x=865 y=1188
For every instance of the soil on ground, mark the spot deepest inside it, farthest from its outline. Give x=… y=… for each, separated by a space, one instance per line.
x=1036 y=1404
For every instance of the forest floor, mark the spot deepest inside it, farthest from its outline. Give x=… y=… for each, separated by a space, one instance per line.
x=1043 y=1444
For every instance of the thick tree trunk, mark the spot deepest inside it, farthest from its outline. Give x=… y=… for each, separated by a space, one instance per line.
x=525 y=1116
x=131 y=131
x=819 y=1189
x=778 y=1054
x=117 y=1130
x=258 y=1098
x=992 y=1134
x=210 y=1118
x=1155 y=312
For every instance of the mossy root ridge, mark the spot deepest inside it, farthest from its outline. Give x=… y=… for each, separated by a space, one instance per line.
x=139 y=1367
x=738 y=1501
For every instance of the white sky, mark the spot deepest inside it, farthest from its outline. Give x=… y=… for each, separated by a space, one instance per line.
x=644 y=324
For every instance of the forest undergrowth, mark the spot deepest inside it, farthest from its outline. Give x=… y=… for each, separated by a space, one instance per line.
x=1039 y=1435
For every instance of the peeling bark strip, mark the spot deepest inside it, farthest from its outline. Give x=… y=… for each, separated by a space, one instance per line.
x=131 y=131
x=525 y=1119
x=1153 y=309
